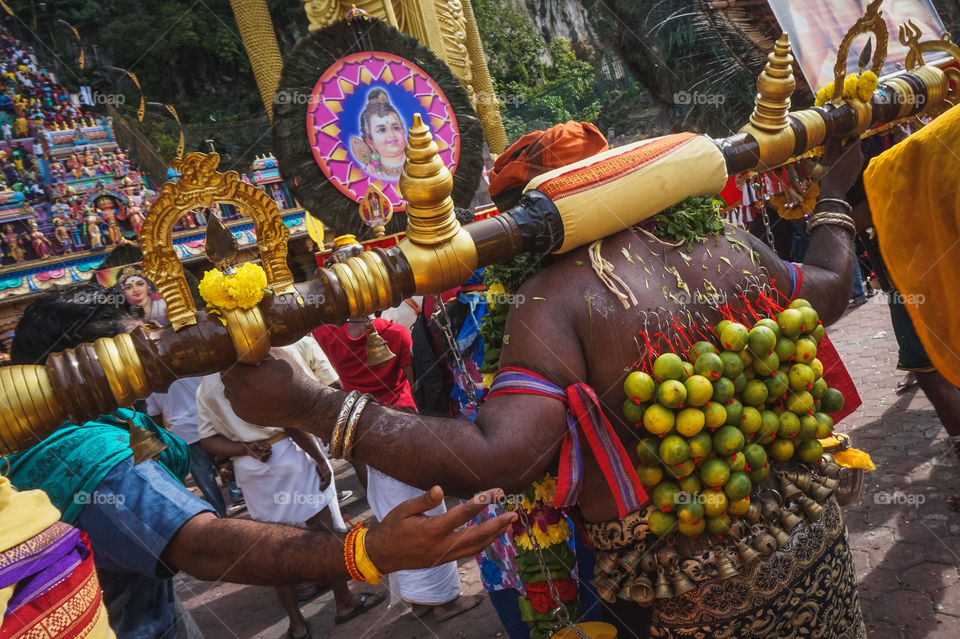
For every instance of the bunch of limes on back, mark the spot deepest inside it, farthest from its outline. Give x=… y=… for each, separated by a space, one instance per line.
x=716 y=419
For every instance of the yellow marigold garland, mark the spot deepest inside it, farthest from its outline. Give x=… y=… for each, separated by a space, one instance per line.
x=241 y=289
x=557 y=533
x=855 y=87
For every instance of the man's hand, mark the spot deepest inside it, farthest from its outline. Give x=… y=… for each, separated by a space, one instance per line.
x=323 y=471
x=260 y=451
x=275 y=392
x=406 y=539
x=843 y=161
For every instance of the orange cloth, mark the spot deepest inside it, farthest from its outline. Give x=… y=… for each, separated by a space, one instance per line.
x=542 y=151
x=913 y=194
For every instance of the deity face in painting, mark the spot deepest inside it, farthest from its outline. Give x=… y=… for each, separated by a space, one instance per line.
x=136 y=289
x=385 y=135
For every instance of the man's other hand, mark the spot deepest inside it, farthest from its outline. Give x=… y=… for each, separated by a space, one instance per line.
x=407 y=539
x=275 y=392
x=843 y=161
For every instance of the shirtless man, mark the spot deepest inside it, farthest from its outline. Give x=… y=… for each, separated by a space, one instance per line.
x=576 y=332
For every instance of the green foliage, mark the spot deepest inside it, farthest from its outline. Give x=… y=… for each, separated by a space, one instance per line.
x=690 y=220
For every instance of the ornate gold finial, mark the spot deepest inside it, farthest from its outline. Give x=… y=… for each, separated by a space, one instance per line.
x=376 y=210
x=426 y=185
x=870 y=22
x=774 y=88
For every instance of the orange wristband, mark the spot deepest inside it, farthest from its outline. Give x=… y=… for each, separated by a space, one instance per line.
x=349 y=552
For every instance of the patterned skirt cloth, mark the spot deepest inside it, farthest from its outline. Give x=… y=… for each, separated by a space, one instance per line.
x=806 y=589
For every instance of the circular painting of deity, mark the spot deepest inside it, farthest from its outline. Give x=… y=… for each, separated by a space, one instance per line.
x=358 y=118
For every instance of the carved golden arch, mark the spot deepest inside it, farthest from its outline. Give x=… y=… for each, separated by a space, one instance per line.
x=201 y=185
x=871 y=22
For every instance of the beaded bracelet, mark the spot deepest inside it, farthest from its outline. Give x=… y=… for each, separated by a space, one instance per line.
x=842 y=203
x=349 y=552
x=362 y=560
x=352 y=425
x=336 y=437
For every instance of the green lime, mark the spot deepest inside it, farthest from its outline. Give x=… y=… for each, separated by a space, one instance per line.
x=722 y=324
x=689 y=509
x=715 y=415
x=818 y=334
x=819 y=388
x=769 y=423
x=766 y=366
x=738 y=486
x=817 y=367
x=738 y=462
x=674 y=450
x=755 y=455
x=690 y=484
x=801 y=402
x=785 y=349
x=691 y=530
x=761 y=341
x=709 y=365
x=791 y=322
x=714 y=502
x=757 y=475
x=824 y=425
x=723 y=390
x=648 y=451
x=671 y=393
x=800 y=303
x=734 y=336
x=728 y=440
x=734 y=412
x=806 y=350
x=748 y=374
x=801 y=377
x=789 y=425
x=700 y=445
x=771 y=324
x=690 y=421
x=808 y=427
x=739 y=383
x=832 y=401
x=687 y=371
x=699 y=390
x=738 y=507
x=699 y=348
x=781 y=449
x=732 y=364
x=718 y=525
x=811 y=319
x=639 y=385
x=661 y=523
x=751 y=422
x=682 y=470
x=754 y=393
x=810 y=451
x=777 y=385
x=632 y=411
x=668 y=366
x=714 y=472
x=658 y=419
x=650 y=475
x=665 y=495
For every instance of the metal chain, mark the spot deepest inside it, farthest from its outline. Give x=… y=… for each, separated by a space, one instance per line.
x=766 y=226
x=443 y=321
x=560 y=611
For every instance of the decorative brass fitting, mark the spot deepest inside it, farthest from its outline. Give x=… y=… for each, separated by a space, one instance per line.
x=440 y=252
x=248 y=332
x=768 y=122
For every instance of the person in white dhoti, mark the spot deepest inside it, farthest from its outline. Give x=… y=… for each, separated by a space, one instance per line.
x=285 y=476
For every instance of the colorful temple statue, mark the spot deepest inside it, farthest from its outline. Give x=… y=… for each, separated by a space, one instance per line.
x=92 y=223
x=62 y=235
x=12 y=240
x=39 y=241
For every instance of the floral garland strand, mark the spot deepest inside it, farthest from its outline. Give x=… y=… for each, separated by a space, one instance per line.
x=552 y=532
x=241 y=289
x=855 y=87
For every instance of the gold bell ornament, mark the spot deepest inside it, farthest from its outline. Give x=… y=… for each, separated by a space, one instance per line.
x=144 y=444
x=377 y=350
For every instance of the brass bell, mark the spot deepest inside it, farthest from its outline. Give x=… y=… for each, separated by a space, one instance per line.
x=812 y=509
x=829 y=467
x=641 y=590
x=820 y=492
x=769 y=507
x=681 y=582
x=753 y=513
x=790 y=489
x=607 y=588
x=663 y=589
x=764 y=542
x=747 y=554
x=803 y=481
x=648 y=562
x=790 y=520
x=144 y=444
x=668 y=556
x=377 y=350
x=606 y=562
x=725 y=568
x=830 y=482
x=630 y=560
x=778 y=533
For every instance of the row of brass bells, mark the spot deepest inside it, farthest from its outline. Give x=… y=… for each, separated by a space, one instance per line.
x=637 y=562
x=747 y=554
x=790 y=519
x=725 y=567
x=669 y=558
x=812 y=509
x=811 y=484
x=764 y=542
x=829 y=467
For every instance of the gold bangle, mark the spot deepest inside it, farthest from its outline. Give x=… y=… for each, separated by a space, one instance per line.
x=362 y=560
x=843 y=203
x=336 y=437
x=352 y=425
x=828 y=217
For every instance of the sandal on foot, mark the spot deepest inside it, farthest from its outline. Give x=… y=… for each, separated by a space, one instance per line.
x=306 y=636
x=367 y=600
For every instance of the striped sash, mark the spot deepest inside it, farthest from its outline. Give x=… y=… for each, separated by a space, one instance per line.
x=583 y=411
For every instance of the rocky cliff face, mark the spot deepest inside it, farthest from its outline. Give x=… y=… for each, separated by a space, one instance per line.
x=563 y=19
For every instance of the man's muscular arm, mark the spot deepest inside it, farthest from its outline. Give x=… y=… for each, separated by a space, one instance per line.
x=509 y=444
